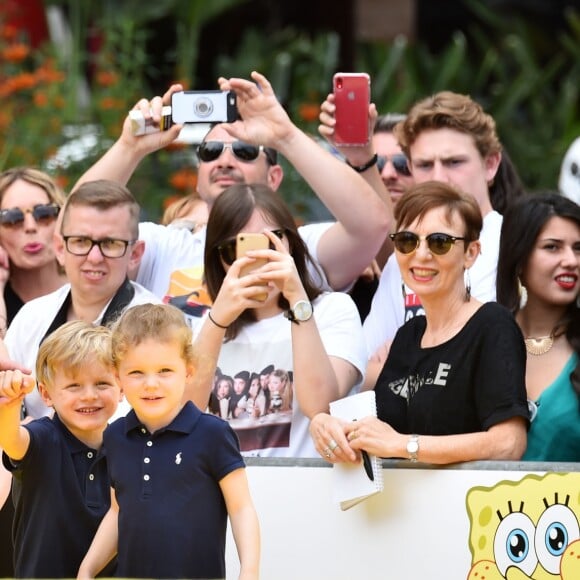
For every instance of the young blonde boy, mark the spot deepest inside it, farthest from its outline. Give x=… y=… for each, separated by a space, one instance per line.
x=176 y=473
x=61 y=484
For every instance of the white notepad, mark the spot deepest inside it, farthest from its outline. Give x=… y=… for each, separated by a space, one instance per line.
x=350 y=481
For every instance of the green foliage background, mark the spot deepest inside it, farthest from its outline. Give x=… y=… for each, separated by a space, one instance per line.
x=526 y=77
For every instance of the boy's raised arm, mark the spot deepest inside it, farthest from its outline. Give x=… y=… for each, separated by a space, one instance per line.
x=14 y=439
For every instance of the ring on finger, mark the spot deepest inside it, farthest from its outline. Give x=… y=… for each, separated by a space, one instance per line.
x=327 y=452
x=353 y=435
x=332 y=445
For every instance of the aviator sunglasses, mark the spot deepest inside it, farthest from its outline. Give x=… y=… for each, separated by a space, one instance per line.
x=211 y=150
x=227 y=249
x=399 y=162
x=43 y=213
x=438 y=243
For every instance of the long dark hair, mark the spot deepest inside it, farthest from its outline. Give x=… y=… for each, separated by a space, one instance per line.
x=522 y=224
x=230 y=213
x=507 y=187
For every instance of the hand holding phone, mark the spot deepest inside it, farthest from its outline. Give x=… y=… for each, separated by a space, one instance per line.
x=251 y=241
x=352 y=100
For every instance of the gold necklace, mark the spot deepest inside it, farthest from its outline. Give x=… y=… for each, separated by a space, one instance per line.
x=540 y=345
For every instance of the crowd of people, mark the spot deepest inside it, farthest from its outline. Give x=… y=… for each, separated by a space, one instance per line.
x=141 y=362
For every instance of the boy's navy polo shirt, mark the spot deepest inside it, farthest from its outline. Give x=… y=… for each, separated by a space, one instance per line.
x=172 y=514
x=61 y=492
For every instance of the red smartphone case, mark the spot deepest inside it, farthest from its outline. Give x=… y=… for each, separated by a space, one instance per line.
x=352 y=98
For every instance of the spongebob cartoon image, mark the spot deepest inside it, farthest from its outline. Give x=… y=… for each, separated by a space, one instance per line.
x=526 y=529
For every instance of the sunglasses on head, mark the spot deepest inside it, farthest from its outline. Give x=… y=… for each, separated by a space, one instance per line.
x=227 y=249
x=438 y=243
x=43 y=213
x=399 y=162
x=211 y=150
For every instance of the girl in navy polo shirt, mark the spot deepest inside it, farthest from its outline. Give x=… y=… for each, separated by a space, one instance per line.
x=176 y=472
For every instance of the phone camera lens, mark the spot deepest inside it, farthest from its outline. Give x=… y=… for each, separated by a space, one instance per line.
x=203 y=107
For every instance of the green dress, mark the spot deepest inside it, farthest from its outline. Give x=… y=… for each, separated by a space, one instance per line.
x=554 y=433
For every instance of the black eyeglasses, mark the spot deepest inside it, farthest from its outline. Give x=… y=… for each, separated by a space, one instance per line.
x=438 y=243
x=399 y=162
x=227 y=249
x=211 y=150
x=109 y=247
x=43 y=213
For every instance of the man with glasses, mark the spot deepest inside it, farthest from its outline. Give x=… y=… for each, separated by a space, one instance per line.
x=391 y=161
x=245 y=152
x=97 y=247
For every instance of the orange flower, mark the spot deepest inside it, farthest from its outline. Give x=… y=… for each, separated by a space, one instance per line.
x=15 y=52
x=9 y=32
x=308 y=112
x=40 y=99
x=48 y=74
x=109 y=103
x=20 y=82
x=184 y=180
x=106 y=78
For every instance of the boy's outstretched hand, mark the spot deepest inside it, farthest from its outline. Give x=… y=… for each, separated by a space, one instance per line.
x=14 y=385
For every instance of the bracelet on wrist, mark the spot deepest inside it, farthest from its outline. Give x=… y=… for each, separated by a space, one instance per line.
x=360 y=168
x=216 y=323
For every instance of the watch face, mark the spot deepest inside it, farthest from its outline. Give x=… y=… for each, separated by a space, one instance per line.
x=302 y=310
x=412 y=447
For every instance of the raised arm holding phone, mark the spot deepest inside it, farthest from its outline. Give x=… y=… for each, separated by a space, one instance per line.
x=342 y=249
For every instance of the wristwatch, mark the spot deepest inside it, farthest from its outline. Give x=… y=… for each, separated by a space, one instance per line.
x=300 y=312
x=413 y=447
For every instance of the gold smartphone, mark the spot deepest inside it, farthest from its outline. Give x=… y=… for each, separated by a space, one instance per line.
x=251 y=241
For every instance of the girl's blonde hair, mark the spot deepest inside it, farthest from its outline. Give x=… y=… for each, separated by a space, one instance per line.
x=160 y=322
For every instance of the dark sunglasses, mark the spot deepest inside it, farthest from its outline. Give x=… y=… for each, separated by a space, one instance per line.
x=43 y=213
x=227 y=249
x=438 y=243
x=211 y=150
x=399 y=162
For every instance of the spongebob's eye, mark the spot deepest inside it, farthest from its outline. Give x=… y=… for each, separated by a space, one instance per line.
x=513 y=544
x=556 y=529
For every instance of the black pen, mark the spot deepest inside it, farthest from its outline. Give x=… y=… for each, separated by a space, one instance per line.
x=368 y=465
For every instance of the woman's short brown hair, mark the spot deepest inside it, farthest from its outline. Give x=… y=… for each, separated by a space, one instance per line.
x=424 y=197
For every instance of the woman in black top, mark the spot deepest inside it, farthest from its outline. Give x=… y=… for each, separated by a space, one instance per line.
x=453 y=386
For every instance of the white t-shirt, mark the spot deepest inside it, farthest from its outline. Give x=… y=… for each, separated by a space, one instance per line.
x=268 y=342
x=173 y=258
x=389 y=310
x=31 y=324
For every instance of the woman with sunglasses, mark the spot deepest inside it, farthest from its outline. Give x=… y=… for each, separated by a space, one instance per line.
x=538 y=279
x=452 y=388
x=29 y=206
x=274 y=316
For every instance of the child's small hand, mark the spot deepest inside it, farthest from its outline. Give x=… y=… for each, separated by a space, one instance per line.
x=15 y=385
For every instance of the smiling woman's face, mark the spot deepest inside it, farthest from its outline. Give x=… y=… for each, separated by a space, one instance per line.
x=429 y=274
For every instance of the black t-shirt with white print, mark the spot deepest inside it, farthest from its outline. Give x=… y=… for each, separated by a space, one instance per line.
x=467 y=384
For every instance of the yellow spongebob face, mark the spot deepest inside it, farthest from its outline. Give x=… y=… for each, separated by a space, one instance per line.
x=526 y=529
